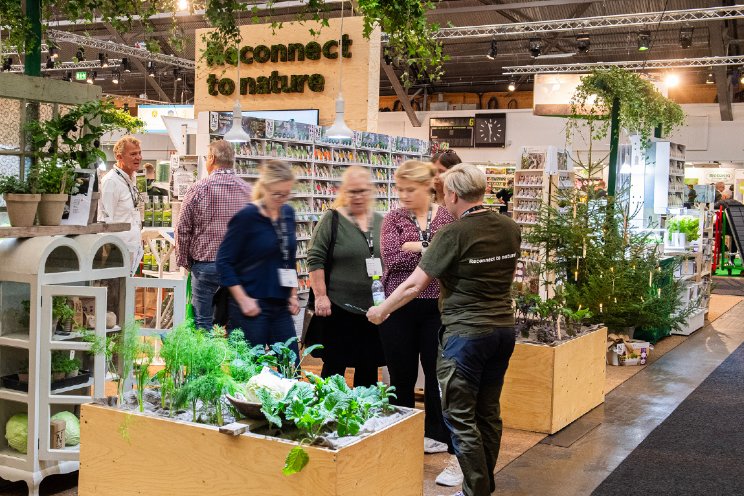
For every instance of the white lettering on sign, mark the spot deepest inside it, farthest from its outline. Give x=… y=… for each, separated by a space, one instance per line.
x=492 y=259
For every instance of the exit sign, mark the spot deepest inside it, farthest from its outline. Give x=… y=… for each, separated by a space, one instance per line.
x=81 y=75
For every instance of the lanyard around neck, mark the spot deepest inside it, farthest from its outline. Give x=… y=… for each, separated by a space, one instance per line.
x=368 y=235
x=282 y=234
x=132 y=190
x=424 y=235
x=472 y=210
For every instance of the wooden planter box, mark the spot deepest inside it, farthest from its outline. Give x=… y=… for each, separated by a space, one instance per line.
x=546 y=388
x=125 y=453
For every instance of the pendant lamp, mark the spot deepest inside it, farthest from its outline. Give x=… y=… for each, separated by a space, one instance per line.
x=236 y=134
x=339 y=129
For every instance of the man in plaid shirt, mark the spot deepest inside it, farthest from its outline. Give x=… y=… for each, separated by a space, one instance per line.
x=208 y=207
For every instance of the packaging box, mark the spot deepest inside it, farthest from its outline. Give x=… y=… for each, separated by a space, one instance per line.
x=631 y=352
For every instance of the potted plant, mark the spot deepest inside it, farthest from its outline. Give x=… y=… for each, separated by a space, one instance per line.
x=21 y=200
x=682 y=229
x=59 y=365
x=54 y=180
x=72 y=367
x=62 y=313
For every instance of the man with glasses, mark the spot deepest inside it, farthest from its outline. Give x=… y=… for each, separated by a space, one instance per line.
x=208 y=207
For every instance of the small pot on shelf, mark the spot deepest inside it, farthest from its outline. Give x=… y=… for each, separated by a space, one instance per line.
x=51 y=208
x=21 y=208
x=58 y=376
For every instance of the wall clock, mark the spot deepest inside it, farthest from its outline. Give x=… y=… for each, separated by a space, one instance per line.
x=490 y=130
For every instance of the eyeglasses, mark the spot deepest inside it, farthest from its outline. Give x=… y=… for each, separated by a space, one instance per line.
x=358 y=192
x=281 y=196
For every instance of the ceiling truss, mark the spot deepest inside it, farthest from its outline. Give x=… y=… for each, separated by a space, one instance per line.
x=632 y=65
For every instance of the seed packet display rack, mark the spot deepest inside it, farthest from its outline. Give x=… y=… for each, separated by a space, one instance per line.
x=318 y=163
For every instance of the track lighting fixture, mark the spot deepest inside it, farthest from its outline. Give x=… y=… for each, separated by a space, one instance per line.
x=89 y=78
x=151 y=69
x=512 y=86
x=644 y=41
x=115 y=77
x=685 y=36
x=582 y=43
x=125 y=65
x=50 y=63
x=177 y=74
x=80 y=55
x=53 y=52
x=671 y=80
x=7 y=64
x=386 y=56
x=68 y=76
x=103 y=59
x=535 y=47
x=493 y=51
x=710 y=79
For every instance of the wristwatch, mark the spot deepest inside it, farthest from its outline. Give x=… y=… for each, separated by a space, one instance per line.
x=424 y=246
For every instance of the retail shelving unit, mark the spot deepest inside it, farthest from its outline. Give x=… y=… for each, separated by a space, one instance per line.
x=542 y=173
x=497 y=178
x=318 y=163
x=669 y=189
x=37 y=269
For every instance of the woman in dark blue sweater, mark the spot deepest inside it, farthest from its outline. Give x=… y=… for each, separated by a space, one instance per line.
x=256 y=260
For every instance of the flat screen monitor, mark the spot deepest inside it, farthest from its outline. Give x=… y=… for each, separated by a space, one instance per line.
x=307 y=116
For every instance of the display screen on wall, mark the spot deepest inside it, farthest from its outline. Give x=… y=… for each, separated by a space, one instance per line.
x=456 y=131
x=153 y=115
x=309 y=116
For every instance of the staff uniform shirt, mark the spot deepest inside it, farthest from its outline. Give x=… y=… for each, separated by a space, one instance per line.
x=251 y=255
x=208 y=207
x=474 y=259
x=118 y=203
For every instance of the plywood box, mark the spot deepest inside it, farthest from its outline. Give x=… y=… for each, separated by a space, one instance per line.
x=125 y=453
x=546 y=388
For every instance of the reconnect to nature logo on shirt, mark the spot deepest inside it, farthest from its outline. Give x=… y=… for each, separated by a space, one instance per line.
x=492 y=259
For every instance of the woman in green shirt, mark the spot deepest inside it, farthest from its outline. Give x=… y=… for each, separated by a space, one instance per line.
x=343 y=296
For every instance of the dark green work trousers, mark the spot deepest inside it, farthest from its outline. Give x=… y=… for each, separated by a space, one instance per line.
x=470 y=369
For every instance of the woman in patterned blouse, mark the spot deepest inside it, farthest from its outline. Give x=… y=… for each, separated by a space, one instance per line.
x=411 y=332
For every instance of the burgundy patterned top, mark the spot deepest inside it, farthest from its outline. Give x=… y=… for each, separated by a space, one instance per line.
x=398 y=228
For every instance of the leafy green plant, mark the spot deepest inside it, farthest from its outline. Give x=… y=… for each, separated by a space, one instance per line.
x=59 y=361
x=75 y=137
x=14 y=185
x=574 y=319
x=61 y=309
x=128 y=348
x=642 y=107
x=55 y=176
x=142 y=371
x=689 y=225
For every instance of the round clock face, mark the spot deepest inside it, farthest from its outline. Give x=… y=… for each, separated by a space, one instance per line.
x=490 y=130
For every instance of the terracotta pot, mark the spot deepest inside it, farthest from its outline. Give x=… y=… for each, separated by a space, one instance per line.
x=57 y=376
x=51 y=208
x=74 y=373
x=23 y=377
x=21 y=208
x=93 y=215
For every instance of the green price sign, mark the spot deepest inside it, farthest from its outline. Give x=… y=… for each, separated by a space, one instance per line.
x=81 y=75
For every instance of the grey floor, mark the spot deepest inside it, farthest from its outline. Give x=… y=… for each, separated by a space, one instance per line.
x=628 y=415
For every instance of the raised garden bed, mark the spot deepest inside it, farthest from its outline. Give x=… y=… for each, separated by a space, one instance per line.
x=548 y=387
x=125 y=453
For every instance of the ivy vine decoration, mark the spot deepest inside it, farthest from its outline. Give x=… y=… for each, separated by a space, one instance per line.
x=642 y=107
x=75 y=136
x=410 y=36
x=11 y=15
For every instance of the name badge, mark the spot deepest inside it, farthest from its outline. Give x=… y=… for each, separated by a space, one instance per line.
x=374 y=267
x=288 y=278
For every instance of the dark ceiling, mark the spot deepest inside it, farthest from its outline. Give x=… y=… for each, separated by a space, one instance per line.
x=468 y=69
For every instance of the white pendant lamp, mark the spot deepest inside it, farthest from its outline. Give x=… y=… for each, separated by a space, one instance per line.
x=339 y=129
x=236 y=134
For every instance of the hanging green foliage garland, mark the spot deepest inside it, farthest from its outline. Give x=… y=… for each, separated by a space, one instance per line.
x=642 y=107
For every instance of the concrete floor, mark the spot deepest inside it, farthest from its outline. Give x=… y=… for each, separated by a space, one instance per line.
x=640 y=399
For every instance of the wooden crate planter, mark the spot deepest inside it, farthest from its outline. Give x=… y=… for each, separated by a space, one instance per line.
x=546 y=388
x=124 y=453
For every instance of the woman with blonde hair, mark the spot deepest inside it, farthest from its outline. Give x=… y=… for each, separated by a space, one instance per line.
x=410 y=334
x=256 y=260
x=342 y=265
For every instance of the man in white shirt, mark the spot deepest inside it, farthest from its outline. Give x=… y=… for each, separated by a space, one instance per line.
x=120 y=199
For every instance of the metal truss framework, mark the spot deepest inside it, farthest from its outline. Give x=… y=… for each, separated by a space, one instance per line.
x=634 y=65
x=113 y=65
x=110 y=46
x=592 y=23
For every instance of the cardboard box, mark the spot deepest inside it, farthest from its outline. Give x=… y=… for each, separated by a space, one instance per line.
x=621 y=355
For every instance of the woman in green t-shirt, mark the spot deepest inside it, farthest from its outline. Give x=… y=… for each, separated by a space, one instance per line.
x=342 y=297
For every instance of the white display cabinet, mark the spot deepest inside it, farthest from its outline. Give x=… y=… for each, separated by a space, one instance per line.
x=36 y=270
x=665 y=164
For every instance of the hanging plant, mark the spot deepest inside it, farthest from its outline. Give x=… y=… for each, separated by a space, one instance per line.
x=11 y=14
x=642 y=107
x=410 y=36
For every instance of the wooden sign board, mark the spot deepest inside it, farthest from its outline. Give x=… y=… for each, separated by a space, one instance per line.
x=288 y=68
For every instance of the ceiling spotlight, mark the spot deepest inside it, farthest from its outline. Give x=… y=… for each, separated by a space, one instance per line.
x=115 y=77
x=741 y=79
x=90 y=77
x=7 y=64
x=685 y=37
x=177 y=74
x=493 y=51
x=103 y=59
x=710 y=79
x=386 y=56
x=582 y=43
x=151 y=69
x=183 y=4
x=53 y=52
x=50 y=63
x=644 y=41
x=80 y=55
x=125 y=64
x=512 y=86
x=671 y=80
x=68 y=76
x=535 y=47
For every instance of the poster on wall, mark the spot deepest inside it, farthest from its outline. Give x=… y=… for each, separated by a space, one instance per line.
x=153 y=115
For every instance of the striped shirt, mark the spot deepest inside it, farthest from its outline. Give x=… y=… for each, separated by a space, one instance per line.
x=208 y=207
